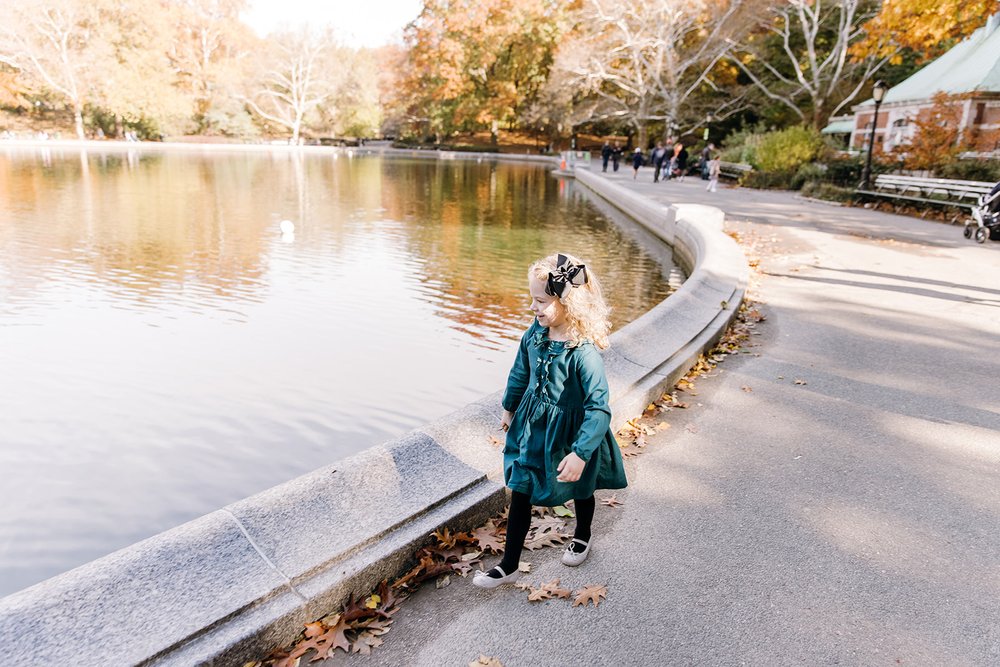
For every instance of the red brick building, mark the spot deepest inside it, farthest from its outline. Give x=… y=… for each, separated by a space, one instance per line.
x=970 y=70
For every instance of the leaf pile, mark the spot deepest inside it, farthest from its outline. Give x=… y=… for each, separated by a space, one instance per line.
x=356 y=629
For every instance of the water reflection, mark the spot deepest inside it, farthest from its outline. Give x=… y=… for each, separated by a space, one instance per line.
x=166 y=350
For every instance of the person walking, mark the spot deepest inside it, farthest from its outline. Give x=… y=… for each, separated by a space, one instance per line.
x=605 y=156
x=556 y=415
x=656 y=160
x=616 y=156
x=714 y=169
x=637 y=161
x=706 y=156
x=680 y=161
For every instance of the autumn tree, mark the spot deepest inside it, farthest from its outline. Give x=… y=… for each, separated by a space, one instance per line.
x=292 y=81
x=478 y=64
x=936 y=139
x=644 y=61
x=800 y=56
x=208 y=53
x=925 y=27
x=55 y=44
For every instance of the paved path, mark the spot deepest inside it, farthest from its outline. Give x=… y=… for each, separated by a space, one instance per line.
x=852 y=520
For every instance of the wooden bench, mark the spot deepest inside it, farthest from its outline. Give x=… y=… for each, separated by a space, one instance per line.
x=936 y=191
x=733 y=169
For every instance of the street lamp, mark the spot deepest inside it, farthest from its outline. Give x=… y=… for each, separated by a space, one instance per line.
x=708 y=121
x=878 y=94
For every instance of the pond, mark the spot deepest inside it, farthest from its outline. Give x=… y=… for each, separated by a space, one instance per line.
x=166 y=350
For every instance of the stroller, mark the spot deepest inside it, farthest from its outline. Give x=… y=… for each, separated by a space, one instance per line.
x=985 y=218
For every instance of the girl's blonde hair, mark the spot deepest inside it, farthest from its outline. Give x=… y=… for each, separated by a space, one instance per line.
x=586 y=312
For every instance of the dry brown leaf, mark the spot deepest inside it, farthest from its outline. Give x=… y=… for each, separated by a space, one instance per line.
x=547 y=591
x=662 y=426
x=798 y=381
x=691 y=428
x=545 y=540
x=496 y=442
x=365 y=642
x=611 y=501
x=590 y=593
x=485 y=661
x=747 y=388
x=487 y=538
x=629 y=452
x=524 y=566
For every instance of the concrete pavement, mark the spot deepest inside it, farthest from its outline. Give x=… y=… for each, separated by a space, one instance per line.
x=853 y=519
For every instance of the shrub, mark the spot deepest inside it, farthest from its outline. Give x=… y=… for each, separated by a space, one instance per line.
x=808 y=172
x=846 y=171
x=827 y=191
x=786 y=150
x=768 y=180
x=971 y=170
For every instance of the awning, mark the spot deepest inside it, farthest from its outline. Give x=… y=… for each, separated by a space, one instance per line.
x=839 y=127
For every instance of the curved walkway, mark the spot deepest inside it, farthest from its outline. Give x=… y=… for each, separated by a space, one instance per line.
x=852 y=519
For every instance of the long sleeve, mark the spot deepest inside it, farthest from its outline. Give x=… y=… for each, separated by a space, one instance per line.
x=597 y=411
x=520 y=373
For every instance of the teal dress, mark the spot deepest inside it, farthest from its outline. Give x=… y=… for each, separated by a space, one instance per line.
x=559 y=397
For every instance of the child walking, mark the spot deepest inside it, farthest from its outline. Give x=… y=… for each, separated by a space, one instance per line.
x=556 y=413
x=714 y=168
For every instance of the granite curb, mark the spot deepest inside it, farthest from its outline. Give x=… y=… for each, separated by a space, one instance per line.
x=233 y=584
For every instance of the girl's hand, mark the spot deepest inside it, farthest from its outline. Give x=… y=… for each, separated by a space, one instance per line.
x=570 y=468
x=505 y=420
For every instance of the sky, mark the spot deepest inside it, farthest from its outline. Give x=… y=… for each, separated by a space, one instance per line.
x=357 y=22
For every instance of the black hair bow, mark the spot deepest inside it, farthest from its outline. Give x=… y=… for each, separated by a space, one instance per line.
x=566 y=274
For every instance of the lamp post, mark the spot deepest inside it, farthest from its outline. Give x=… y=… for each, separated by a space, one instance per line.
x=708 y=121
x=878 y=94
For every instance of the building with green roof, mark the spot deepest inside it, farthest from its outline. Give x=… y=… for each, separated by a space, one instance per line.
x=970 y=71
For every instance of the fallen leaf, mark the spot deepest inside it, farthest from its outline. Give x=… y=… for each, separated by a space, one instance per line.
x=496 y=442
x=746 y=388
x=442 y=582
x=548 y=591
x=781 y=377
x=524 y=567
x=562 y=510
x=612 y=501
x=798 y=381
x=523 y=585
x=662 y=426
x=545 y=540
x=691 y=428
x=590 y=593
x=372 y=601
x=485 y=661
x=365 y=642
x=487 y=538
x=472 y=555
x=629 y=452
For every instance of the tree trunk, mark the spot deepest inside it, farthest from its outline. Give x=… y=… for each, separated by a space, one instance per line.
x=643 y=133
x=78 y=120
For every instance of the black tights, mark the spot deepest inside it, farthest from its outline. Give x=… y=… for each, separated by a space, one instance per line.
x=519 y=521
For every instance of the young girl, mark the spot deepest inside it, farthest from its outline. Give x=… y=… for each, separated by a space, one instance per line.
x=559 y=441
x=714 y=169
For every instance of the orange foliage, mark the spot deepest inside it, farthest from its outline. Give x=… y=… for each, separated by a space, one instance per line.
x=937 y=139
x=928 y=27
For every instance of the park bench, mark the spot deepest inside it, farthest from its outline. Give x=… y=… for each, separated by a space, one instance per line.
x=733 y=169
x=936 y=191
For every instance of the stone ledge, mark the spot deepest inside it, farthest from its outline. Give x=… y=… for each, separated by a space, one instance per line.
x=233 y=584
